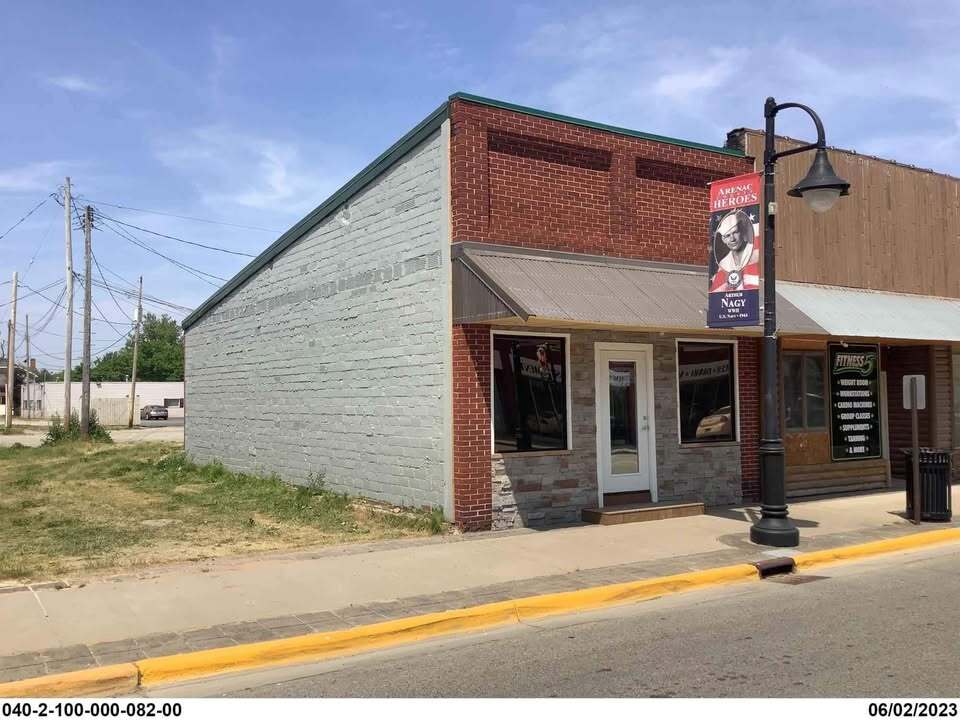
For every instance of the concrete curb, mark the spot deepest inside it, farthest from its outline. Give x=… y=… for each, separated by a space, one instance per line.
x=128 y=677
x=808 y=560
x=95 y=682
x=321 y=646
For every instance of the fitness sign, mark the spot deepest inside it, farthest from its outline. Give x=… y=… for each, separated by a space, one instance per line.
x=733 y=299
x=855 y=401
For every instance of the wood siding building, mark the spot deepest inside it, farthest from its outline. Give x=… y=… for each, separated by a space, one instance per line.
x=898 y=231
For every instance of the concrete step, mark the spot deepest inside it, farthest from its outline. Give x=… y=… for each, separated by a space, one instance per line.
x=640 y=497
x=641 y=512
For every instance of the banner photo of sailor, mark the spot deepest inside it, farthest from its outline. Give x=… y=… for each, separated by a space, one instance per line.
x=735 y=252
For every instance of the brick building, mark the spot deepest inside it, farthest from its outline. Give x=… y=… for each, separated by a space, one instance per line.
x=503 y=315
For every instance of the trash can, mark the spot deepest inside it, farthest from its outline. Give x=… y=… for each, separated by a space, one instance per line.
x=935 y=470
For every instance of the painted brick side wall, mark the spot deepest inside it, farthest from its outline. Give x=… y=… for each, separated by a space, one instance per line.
x=748 y=356
x=471 y=427
x=522 y=180
x=333 y=358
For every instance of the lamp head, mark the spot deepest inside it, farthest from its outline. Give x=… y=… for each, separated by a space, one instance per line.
x=821 y=187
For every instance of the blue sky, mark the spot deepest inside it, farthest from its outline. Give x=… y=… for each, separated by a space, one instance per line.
x=253 y=113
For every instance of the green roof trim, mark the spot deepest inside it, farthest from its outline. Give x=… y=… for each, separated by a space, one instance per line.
x=361 y=180
x=467 y=97
x=387 y=159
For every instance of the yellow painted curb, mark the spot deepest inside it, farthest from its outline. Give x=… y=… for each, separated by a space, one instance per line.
x=320 y=646
x=110 y=681
x=808 y=560
x=126 y=678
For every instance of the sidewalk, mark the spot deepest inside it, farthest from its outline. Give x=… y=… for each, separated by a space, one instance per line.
x=174 y=609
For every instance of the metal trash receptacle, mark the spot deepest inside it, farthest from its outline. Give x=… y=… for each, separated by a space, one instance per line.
x=935 y=472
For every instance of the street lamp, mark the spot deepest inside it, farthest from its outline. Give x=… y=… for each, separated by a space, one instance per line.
x=820 y=188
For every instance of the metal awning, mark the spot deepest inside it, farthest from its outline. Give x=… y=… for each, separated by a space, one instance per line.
x=496 y=282
x=853 y=312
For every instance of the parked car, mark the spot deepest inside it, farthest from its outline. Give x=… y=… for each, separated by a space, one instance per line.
x=153 y=412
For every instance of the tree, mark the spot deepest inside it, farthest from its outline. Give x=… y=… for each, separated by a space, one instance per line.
x=160 y=358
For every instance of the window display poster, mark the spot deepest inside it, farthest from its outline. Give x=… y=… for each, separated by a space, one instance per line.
x=855 y=401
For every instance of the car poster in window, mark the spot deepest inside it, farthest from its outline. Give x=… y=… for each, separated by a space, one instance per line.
x=855 y=401
x=733 y=299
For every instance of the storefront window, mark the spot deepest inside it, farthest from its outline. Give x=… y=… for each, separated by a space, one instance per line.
x=705 y=373
x=804 y=391
x=529 y=393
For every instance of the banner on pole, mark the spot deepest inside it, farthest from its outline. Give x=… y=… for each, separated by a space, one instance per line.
x=735 y=250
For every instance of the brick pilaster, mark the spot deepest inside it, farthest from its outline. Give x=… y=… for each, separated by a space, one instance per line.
x=472 y=469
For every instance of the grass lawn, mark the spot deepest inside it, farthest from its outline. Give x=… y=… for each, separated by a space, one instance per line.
x=78 y=508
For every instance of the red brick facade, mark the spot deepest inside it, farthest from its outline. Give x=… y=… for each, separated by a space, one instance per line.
x=471 y=427
x=523 y=180
x=519 y=179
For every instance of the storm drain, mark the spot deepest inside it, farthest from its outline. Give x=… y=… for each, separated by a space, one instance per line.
x=775 y=566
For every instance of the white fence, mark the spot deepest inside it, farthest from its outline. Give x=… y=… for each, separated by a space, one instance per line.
x=114 y=411
x=49 y=397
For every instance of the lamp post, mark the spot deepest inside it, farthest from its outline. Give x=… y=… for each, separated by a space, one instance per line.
x=820 y=188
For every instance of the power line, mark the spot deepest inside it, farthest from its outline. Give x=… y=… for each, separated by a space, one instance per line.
x=153 y=300
x=75 y=312
x=102 y=315
x=183 y=217
x=59 y=358
x=172 y=237
x=114 y=344
x=43 y=352
x=40 y=245
x=48 y=314
x=99 y=311
x=34 y=292
x=112 y=296
x=31 y=212
x=193 y=271
x=119 y=277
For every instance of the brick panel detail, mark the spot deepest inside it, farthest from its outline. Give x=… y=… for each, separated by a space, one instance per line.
x=522 y=180
x=473 y=473
x=748 y=377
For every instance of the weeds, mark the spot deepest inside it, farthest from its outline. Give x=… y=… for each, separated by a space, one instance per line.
x=58 y=432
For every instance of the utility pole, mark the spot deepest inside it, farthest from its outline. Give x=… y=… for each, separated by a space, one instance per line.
x=87 y=300
x=27 y=337
x=68 y=348
x=11 y=344
x=136 y=347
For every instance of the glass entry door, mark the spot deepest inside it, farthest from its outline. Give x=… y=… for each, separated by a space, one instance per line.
x=623 y=423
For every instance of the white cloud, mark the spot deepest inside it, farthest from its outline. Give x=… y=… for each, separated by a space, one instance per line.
x=659 y=72
x=236 y=168
x=687 y=84
x=36 y=176
x=75 y=83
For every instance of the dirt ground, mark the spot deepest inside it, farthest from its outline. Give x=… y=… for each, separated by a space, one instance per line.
x=31 y=435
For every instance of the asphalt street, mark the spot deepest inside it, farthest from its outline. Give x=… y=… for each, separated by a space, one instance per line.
x=886 y=627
